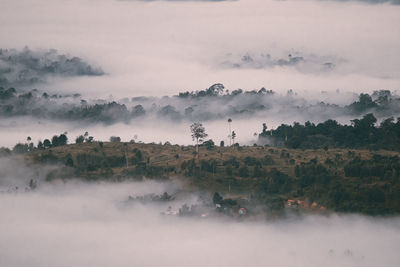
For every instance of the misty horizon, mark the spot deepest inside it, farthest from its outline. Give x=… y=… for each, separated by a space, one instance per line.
x=295 y=106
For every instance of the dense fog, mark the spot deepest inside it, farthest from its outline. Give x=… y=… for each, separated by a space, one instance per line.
x=165 y=47
x=92 y=224
x=162 y=48
x=149 y=119
x=141 y=70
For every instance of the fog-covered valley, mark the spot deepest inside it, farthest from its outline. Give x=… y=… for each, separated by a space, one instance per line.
x=143 y=72
x=64 y=223
x=73 y=223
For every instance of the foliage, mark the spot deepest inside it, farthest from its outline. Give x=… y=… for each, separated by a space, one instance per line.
x=209 y=144
x=361 y=134
x=115 y=139
x=198 y=132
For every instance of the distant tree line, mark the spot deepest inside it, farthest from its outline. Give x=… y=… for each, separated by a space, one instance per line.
x=362 y=133
x=212 y=103
x=28 y=67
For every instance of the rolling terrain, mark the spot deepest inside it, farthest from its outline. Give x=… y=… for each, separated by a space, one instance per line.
x=341 y=180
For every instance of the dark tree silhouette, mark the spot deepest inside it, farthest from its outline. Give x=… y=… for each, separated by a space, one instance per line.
x=198 y=134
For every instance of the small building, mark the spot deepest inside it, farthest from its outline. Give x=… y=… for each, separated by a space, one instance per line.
x=242 y=211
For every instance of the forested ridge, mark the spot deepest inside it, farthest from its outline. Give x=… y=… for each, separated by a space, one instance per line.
x=361 y=133
x=342 y=180
x=213 y=103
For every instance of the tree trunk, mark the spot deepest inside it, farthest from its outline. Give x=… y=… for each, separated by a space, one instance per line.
x=230 y=135
x=197 y=147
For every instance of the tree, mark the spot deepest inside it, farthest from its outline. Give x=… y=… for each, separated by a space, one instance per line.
x=233 y=136
x=80 y=139
x=217 y=199
x=264 y=131
x=46 y=143
x=209 y=144
x=40 y=145
x=62 y=139
x=88 y=139
x=20 y=148
x=115 y=139
x=69 y=161
x=229 y=136
x=198 y=134
x=54 y=140
x=30 y=143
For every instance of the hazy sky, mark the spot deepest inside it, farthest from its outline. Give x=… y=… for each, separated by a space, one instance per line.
x=162 y=47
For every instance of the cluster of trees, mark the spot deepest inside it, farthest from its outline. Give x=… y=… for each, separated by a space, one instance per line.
x=349 y=185
x=32 y=103
x=383 y=167
x=198 y=132
x=370 y=186
x=362 y=133
x=209 y=104
x=28 y=67
x=20 y=148
x=85 y=138
x=347 y=182
x=247 y=167
x=100 y=163
x=382 y=102
x=297 y=60
x=55 y=141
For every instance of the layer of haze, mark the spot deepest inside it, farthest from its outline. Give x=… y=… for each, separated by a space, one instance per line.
x=155 y=130
x=78 y=224
x=162 y=47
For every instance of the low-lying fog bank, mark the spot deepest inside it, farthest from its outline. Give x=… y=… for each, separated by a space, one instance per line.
x=14 y=131
x=161 y=119
x=78 y=224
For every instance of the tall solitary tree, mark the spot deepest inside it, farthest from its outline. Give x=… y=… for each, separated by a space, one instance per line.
x=198 y=134
x=229 y=136
x=233 y=136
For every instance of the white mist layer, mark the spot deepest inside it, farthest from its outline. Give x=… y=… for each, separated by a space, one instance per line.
x=77 y=224
x=17 y=130
x=162 y=47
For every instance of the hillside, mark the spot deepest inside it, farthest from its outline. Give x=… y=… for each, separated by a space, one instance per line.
x=274 y=178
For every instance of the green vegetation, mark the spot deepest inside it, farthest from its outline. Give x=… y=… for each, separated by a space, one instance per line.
x=27 y=67
x=213 y=103
x=362 y=134
x=336 y=179
x=311 y=167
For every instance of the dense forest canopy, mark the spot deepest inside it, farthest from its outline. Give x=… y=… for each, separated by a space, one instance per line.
x=213 y=103
x=362 y=133
x=28 y=67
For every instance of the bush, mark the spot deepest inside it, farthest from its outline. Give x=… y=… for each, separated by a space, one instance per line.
x=209 y=144
x=115 y=139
